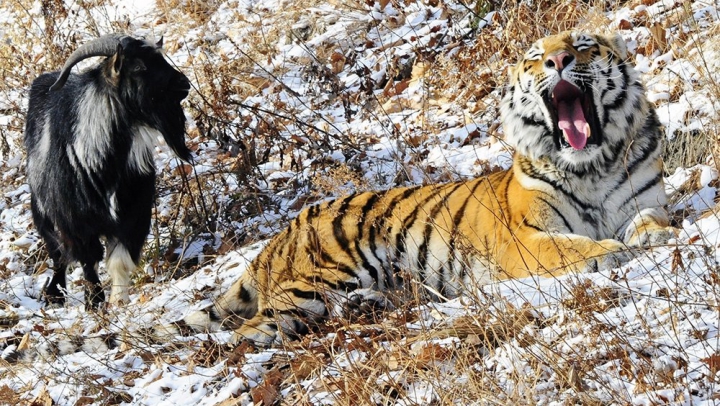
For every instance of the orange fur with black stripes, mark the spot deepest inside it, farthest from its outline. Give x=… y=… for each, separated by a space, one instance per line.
x=585 y=184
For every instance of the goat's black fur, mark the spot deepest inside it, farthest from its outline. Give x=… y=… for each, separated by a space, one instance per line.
x=90 y=166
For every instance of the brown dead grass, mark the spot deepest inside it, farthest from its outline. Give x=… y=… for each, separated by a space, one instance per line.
x=456 y=358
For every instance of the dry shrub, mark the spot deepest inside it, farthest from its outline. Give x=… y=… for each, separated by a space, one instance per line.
x=586 y=297
x=340 y=180
x=8 y=396
x=527 y=22
x=199 y=12
x=471 y=70
x=396 y=358
x=688 y=149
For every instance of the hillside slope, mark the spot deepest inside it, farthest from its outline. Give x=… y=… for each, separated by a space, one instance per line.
x=296 y=102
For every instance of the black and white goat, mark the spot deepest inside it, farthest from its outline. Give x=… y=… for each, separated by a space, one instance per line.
x=89 y=140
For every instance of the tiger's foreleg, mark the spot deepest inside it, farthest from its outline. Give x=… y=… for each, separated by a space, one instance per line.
x=549 y=254
x=297 y=307
x=553 y=254
x=648 y=228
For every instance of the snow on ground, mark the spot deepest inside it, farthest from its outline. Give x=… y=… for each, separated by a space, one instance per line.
x=314 y=101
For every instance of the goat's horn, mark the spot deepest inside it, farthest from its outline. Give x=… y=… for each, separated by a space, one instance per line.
x=103 y=46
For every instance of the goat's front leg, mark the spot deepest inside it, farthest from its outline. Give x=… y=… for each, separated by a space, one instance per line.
x=54 y=291
x=119 y=265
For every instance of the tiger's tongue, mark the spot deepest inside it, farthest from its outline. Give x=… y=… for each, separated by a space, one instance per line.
x=571 y=121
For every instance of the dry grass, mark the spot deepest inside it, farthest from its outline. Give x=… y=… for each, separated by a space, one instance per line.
x=454 y=361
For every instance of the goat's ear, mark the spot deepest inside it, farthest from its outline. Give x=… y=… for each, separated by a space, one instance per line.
x=117 y=62
x=159 y=44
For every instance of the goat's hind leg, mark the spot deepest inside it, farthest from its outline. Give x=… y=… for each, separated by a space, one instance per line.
x=54 y=290
x=89 y=253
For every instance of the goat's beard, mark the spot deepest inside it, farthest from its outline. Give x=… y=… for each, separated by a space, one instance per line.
x=169 y=119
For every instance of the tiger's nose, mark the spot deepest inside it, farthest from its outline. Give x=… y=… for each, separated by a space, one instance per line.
x=559 y=61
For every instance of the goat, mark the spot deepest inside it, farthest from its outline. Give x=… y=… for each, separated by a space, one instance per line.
x=89 y=140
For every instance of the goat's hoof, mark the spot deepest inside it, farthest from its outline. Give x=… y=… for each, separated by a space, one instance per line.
x=53 y=300
x=94 y=298
x=53 y=297
x=91 y=306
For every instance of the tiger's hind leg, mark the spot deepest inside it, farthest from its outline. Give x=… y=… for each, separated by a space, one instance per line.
x=297 y=307
x=291 y=309
x=239 y=303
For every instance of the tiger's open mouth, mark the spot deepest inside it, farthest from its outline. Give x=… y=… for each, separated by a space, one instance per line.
x=576 y=123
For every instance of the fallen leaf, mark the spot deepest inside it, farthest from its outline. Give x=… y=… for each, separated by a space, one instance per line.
x=42 y=399
x=267 y=392
x=713 y=363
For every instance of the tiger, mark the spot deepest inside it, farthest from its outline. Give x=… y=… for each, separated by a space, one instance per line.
x=584 y=191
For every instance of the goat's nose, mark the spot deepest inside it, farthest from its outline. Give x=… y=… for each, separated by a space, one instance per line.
x=559 y=61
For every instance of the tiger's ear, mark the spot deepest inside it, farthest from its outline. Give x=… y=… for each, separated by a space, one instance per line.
x=617 y=43
x=510 y=71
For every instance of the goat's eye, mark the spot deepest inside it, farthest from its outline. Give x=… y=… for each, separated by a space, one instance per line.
x=139 y=67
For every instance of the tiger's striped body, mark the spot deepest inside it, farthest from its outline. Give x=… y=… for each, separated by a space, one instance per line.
x=585 y=184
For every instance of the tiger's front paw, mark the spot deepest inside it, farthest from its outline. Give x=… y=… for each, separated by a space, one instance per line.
x=610 y=260
x=650 y=236
x=649 y=228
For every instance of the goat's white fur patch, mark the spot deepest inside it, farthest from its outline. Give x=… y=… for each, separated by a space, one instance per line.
x=141 y=150
x=113 y=206
x=43 y=149
x=37 y=160
x=119 y=265
x=96 y=116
